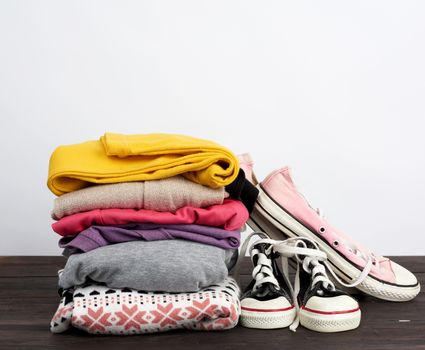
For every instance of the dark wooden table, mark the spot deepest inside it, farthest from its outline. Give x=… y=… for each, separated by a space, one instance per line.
x=28 y=299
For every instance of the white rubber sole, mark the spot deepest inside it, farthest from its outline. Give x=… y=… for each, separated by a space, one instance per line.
x=275 y=222
x=329 y=323
x=267 y=320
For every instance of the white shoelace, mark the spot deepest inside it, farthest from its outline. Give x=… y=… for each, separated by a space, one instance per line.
x=290 y=248
x=368 y=257
x=242 y=253
x=310 y=259
x=370 y=261
x=263 y=271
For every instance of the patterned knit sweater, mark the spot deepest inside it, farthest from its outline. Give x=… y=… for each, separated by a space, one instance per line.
x=98 y=309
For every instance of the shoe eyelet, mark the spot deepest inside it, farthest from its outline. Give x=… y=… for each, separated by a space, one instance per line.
x=335 y=243
x=322 y=229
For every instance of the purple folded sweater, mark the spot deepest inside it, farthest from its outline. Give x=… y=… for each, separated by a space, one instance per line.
x=99 y=236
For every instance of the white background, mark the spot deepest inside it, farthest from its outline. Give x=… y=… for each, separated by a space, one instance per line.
x=333 y=88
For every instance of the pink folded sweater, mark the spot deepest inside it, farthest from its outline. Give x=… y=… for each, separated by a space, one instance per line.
x=231 y=215
x=98 y=309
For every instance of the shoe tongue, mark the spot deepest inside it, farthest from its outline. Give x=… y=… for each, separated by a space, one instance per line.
x=262 y=247
x=246 y=164
x=265 y=289
x=320 y=287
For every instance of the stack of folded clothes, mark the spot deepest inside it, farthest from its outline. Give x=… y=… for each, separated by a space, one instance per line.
x=150 y=225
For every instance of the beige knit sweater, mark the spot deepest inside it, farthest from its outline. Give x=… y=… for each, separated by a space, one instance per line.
x=161 y=195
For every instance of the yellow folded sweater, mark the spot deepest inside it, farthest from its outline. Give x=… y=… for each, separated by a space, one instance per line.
x=121 y=158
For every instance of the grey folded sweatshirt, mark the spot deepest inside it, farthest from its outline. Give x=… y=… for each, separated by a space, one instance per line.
x=169 y=266
x=167 y=194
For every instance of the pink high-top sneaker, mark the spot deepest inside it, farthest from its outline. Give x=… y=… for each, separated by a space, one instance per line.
x=280 y=210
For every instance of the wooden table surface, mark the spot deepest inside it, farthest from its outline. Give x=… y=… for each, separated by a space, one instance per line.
x=28 y=299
